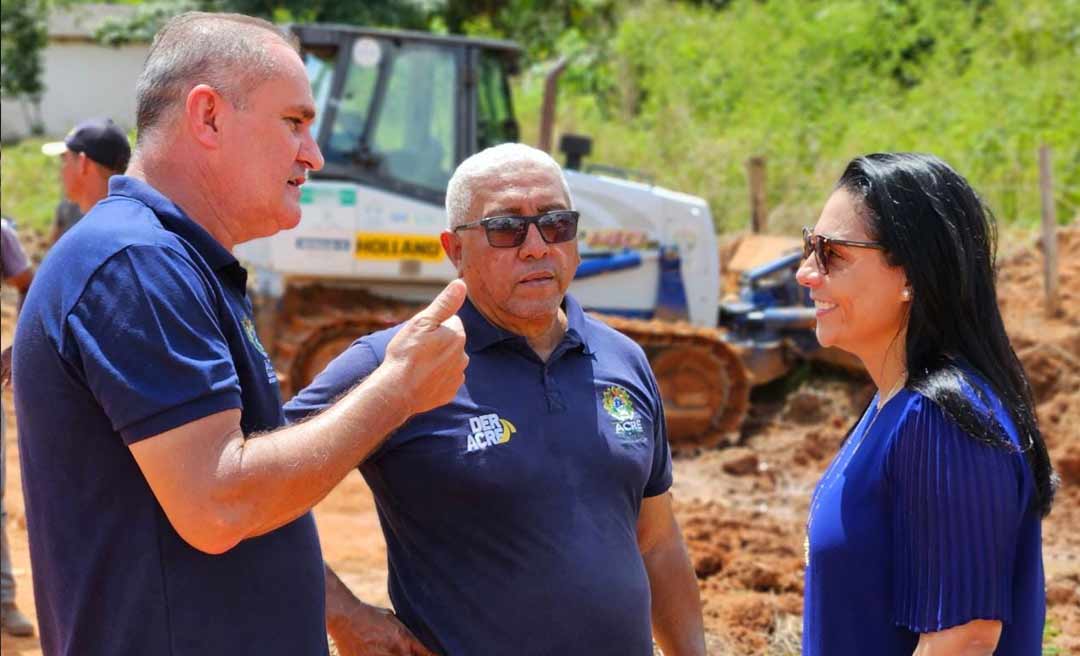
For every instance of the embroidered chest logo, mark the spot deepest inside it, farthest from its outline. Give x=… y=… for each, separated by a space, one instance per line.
x=620 y=408
x=253 y=338
x=488 y=430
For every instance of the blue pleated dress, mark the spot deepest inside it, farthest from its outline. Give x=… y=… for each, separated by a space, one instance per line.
x=917 y=527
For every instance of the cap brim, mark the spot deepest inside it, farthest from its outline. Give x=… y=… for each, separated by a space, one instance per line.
x=54 y=148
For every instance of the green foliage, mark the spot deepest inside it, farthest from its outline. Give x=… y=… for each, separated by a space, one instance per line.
x=151 y=15
x=690 y=92
x=22 y=36
x=148 y=18
x=545 y=29
x=1050 y=633
x=29 y=185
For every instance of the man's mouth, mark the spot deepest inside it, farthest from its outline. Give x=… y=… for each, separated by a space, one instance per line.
x=539 y=277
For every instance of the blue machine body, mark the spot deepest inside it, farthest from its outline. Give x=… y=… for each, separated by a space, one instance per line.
x=771 y=322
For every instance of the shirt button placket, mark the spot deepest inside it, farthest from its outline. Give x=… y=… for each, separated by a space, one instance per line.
x=551 y=391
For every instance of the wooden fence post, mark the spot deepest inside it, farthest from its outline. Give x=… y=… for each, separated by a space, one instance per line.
x=1049 y=232
x=755 y=167
x=547 y=109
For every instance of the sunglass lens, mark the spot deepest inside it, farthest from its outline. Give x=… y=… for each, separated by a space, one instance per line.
x=817 y=245
x=821 y=245
x=558 y=227
x=506 y=232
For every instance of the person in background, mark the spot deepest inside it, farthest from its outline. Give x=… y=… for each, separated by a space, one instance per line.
x=66 y=215
x=94 y=151
x=15 y=270
x=924 y=533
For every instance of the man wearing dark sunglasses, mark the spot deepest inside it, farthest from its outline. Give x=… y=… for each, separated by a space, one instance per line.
x=530 y=515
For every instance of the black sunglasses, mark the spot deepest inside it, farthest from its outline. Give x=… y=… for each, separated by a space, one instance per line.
x=821 y=246
x=510 y=231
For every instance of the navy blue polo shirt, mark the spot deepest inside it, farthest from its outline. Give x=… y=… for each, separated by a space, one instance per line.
x=510 y=514
x=137 y=323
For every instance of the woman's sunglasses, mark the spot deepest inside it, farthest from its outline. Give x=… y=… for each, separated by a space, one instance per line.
x=821 y=246
x=510 y=231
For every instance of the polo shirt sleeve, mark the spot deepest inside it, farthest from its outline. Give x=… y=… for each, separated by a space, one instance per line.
x=342 y=374
x=660 y=477
x=147 y=336
x=956 y=509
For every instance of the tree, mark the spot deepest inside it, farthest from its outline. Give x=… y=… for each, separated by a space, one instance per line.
x=150 y=16
x=22 y=37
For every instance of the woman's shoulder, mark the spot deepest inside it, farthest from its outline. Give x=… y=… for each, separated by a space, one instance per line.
x=956 y=401
x=926 y=435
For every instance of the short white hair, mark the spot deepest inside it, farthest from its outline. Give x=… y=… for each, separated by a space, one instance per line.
x=475 y=171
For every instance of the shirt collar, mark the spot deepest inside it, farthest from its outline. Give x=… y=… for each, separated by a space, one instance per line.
x=481 y=333
x=174 y=219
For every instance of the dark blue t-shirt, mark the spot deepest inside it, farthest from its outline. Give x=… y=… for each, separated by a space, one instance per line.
x=137 y=323
x=917 y=527
x=510 y=514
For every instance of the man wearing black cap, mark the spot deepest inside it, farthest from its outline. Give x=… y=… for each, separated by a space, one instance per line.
x=90 y=154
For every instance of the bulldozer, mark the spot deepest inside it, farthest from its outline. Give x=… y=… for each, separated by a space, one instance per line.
x=397 y=111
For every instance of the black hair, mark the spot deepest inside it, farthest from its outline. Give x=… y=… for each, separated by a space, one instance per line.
x=933 y=224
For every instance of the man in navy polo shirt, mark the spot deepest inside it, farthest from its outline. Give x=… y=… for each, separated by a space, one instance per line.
x=531 y=514
x=168 y=511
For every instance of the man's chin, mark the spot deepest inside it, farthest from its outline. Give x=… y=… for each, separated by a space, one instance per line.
x=291 y=219
x=269 y=229
x=535 y=309
x=286 y=221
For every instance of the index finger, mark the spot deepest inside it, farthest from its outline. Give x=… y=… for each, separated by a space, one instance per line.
x=446 y=304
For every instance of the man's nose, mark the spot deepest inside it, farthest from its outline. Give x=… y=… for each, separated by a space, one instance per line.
x=534 y=245
x=310 y=155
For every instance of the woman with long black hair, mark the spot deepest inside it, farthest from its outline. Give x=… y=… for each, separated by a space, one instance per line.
x=924 y=534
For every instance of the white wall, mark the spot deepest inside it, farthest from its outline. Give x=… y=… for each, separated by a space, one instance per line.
x=82 y=80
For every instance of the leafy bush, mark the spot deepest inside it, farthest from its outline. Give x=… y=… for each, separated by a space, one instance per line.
x=30 y=184
x=692 y=92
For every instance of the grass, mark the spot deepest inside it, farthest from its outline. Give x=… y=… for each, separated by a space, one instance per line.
x=29 y=185
x=688 y=92
x=1050 y=631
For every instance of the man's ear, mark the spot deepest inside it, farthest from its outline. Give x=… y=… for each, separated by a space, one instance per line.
x=82 y=163
x=203 y=113
x=451 y=244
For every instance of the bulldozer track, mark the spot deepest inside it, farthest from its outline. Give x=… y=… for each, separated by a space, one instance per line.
x=704 y=385
x=318 y=323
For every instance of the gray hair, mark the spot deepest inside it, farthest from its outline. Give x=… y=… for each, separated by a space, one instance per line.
x=229 y=52
x=479 y=168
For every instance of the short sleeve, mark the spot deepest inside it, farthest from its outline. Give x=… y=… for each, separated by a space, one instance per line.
x=660 y=476
x=148 y=338
x=342 y=374
x=957 y=506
